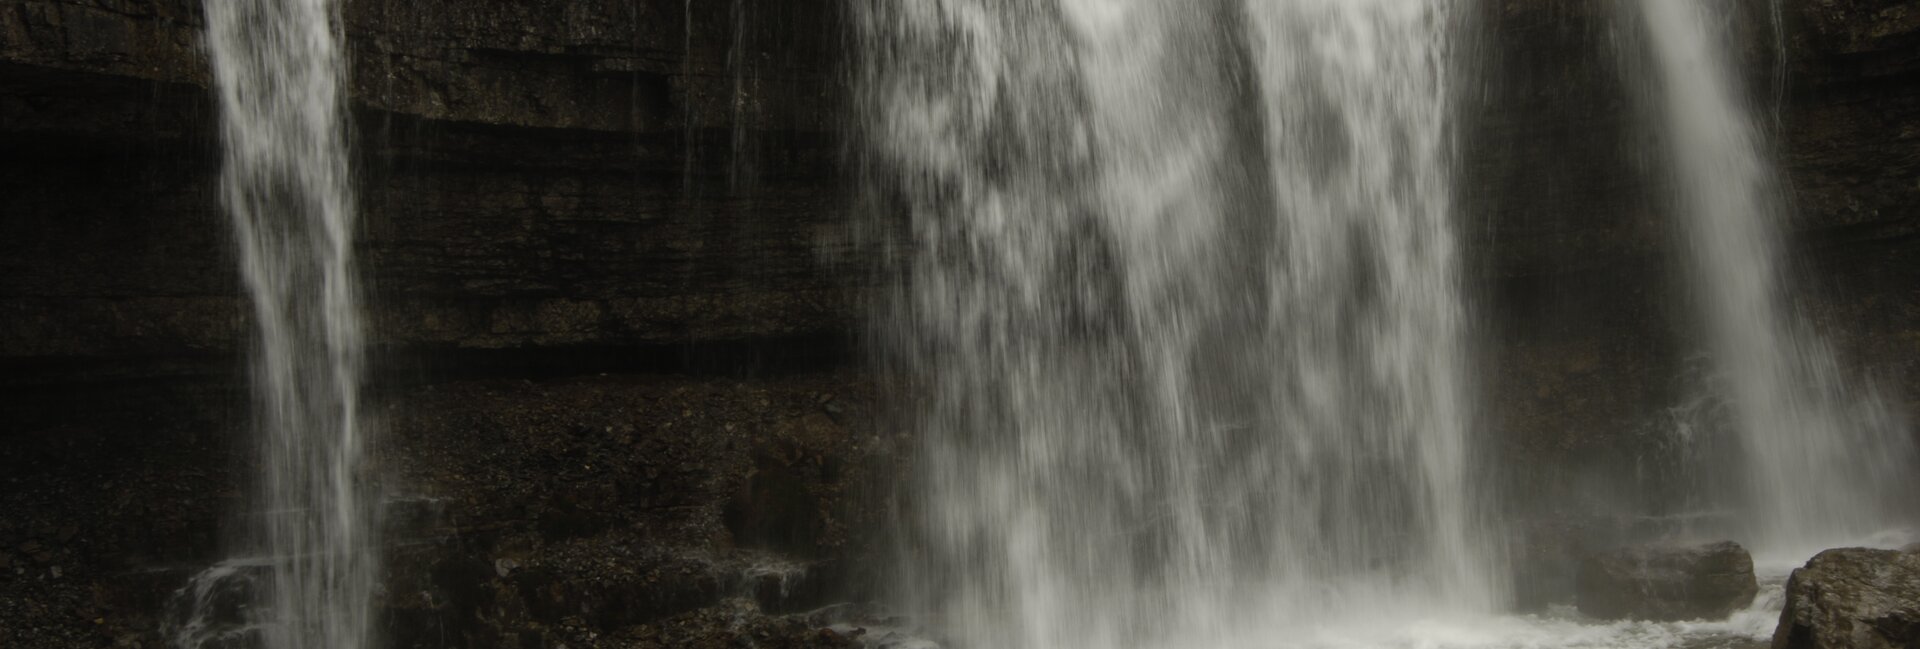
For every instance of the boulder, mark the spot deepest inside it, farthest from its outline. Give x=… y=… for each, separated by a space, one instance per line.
x=1666 y=582
x=1852 y=598
x=1546 y=555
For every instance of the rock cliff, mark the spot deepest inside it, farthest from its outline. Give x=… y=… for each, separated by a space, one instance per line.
x=1591 y=343
x=533 y=175
x=547 y=189
x=560 y=188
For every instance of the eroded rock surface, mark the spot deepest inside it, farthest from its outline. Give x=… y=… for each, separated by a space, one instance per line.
x=1667 y=582
x=1853 y=598
x=586 y=511
x=532 y=175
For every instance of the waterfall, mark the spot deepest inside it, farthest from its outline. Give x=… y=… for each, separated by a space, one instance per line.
x=1181 y=301
x=1824 y=462
x=278 y=69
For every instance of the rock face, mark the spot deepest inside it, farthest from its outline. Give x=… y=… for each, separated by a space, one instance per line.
x=547 y=187
x=582 y=510
x=533 y=175
x=518 y=513
x=1667 y=582
x=1574 y=251
x=564 y=187
x=1853 y=598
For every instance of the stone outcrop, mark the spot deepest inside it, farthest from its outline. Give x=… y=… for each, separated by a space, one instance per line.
x=1853 y=598
x=1667 y=582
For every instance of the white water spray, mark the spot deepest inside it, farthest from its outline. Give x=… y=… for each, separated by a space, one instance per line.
x=1184 y=287
x=278 y=68
x=1825 y=463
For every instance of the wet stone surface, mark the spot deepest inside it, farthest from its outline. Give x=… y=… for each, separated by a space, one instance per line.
x=1667 y=582
x=591 y=511
x=1853 y=598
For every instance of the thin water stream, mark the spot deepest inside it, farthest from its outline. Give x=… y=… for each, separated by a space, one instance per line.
x=1821 y=461
x=310 y=554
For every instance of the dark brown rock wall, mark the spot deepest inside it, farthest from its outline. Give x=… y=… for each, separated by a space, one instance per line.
x=546 y=188
x=573 y=181
x=1853 y=151
x=1569 y=253
x=534 y=175
x=1587 y=310
x=1592 y=342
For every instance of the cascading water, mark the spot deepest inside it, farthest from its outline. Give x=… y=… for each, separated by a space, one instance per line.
x=278 y=68
x=1184 y=291
x=1824 y=464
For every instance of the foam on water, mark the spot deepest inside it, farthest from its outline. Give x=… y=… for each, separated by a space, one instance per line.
x=1560 y=628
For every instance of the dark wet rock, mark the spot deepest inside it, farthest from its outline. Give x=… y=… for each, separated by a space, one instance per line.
x=735 y=624
x=604 y=587
x=577 y=186
x=653 y=461
x=1546 y=553
x=656 y=464
x=1667 y=582
x=535 y=175
x=774 y=508
x=571 y=460
x=1546 y=556
x=1565 y=221
x=1853 y=598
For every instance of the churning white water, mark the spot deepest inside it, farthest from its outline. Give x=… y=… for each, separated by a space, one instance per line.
x=278 y=70
x=1183 y=288
x=1823 y=462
